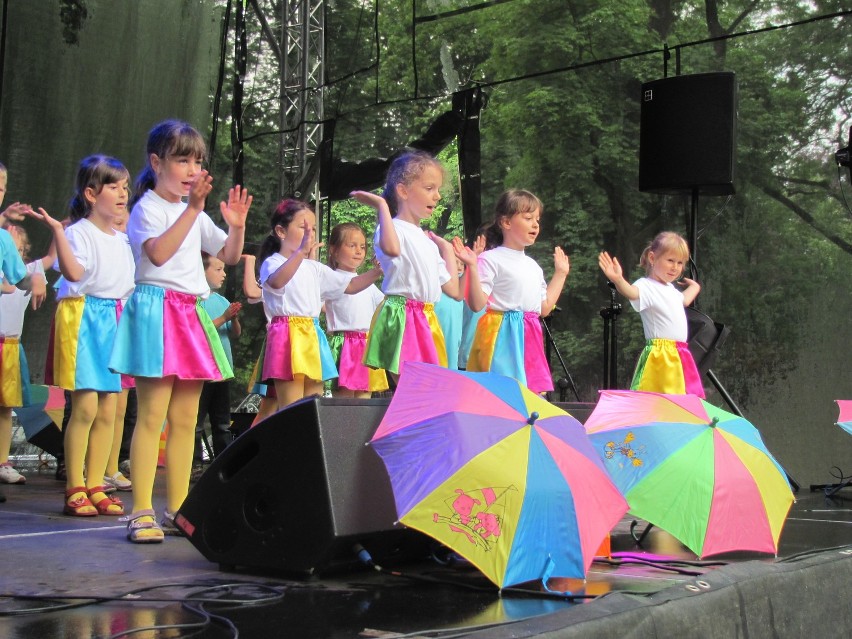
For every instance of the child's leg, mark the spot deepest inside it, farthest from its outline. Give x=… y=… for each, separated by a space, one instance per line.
x=84 y=408
x=5 y=433
x=117 y=433
x=219 y=411
x=100 y=440
x=153 y=396
x=289 y=391
x=268 y=405
x=312 y=387
x=182 y=414
x=348 y=392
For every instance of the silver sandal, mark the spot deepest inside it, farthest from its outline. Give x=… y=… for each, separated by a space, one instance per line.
x=144 y=532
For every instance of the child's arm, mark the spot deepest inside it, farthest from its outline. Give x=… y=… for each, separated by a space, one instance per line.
x=452 y=286
x=39 y=286
x=362 y=281
x=251 y=290
x=287 y=270
x=68 y=264
x=473 y=294
x=162 y=248
x=6 y=288
x=388 y=239
x=612 y=269
x=230 y=315
x=561 y=267
x=691 y=291
x=234 y=213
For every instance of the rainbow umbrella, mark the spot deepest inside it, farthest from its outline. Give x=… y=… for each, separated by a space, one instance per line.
x=496 y=473
x=696 y=471
x=844 y=420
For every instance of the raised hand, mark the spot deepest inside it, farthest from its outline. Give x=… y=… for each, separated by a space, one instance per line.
x=52 y=223
x=16 y=211
x=610 y=267
x=368 y=198
x=464 y=253
x=235 y=211
x=479 y=244
x=201 y=187
x=561 y=263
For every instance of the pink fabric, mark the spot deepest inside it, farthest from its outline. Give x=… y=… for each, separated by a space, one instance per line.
x=691 y=376
x=536 y=367
x=186 y=351
x=127 y=381
x=277 y=363
x=353 y=374
x=418 y=345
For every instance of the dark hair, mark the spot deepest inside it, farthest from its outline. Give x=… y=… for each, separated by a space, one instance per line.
x=338 y=236
x=404 y=170
x=509 y=204
x=281 y=216
x=94 y=172
x=169 y=138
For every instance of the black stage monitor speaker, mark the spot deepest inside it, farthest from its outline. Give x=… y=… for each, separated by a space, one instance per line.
x=687 y=134
x=298 y=492
x=705 y=338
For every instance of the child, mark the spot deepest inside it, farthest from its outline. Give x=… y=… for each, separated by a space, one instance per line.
x=297 y=355
x=215 y=401
x=416 y=269
x=97 y=267
x=508 y=337
x=254 y=295
x=13 y=306
x=348 y=317
x=13 y=272
x=125 y=405
x=665 y=365
x=165 y=339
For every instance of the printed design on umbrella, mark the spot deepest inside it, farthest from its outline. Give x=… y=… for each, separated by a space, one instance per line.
x=625 y=448
x=478 y=518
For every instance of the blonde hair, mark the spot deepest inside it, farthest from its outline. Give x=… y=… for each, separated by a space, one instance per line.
x=404 y=170
x=338 y=236
x=665 y=242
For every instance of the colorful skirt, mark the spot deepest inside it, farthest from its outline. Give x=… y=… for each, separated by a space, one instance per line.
x=164 y=333
x=12 y=363
x=255 y=385
x=511 y=343
x=667 y=366
x=297 y=346
x=81 y=340
x=404 y=330
x=348 y=348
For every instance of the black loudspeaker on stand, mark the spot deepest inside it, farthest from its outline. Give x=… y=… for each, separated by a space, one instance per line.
x=300 y=493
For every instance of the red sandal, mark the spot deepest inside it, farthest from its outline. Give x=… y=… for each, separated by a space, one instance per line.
x=77 y=503
x=109 y=504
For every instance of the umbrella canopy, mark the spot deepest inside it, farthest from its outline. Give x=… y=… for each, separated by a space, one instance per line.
x=692 y=469
x=844 y=420
x=42 y=418
x=497 y=473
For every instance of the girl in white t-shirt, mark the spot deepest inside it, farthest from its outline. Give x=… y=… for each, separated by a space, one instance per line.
x=417 y=266
x=508 y=338
x=665 y=365
x=97 y=268
x=348 y=317
x=297 y=358
x=165 y=338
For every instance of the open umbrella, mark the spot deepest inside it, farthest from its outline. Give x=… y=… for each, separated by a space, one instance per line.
x=844 y=420
x=692 y=469
x=496 y=473
x=41 y=419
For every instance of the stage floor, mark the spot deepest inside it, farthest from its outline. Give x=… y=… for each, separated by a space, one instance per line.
x=62 y=561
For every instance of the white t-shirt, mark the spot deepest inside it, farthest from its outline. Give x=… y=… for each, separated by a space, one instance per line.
x=661 y=308
x=512 y=280
x=352 y=312
x=13 y=306
x=106 y=259
x=419 y=271
x=184 y=272
x=312 y=283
